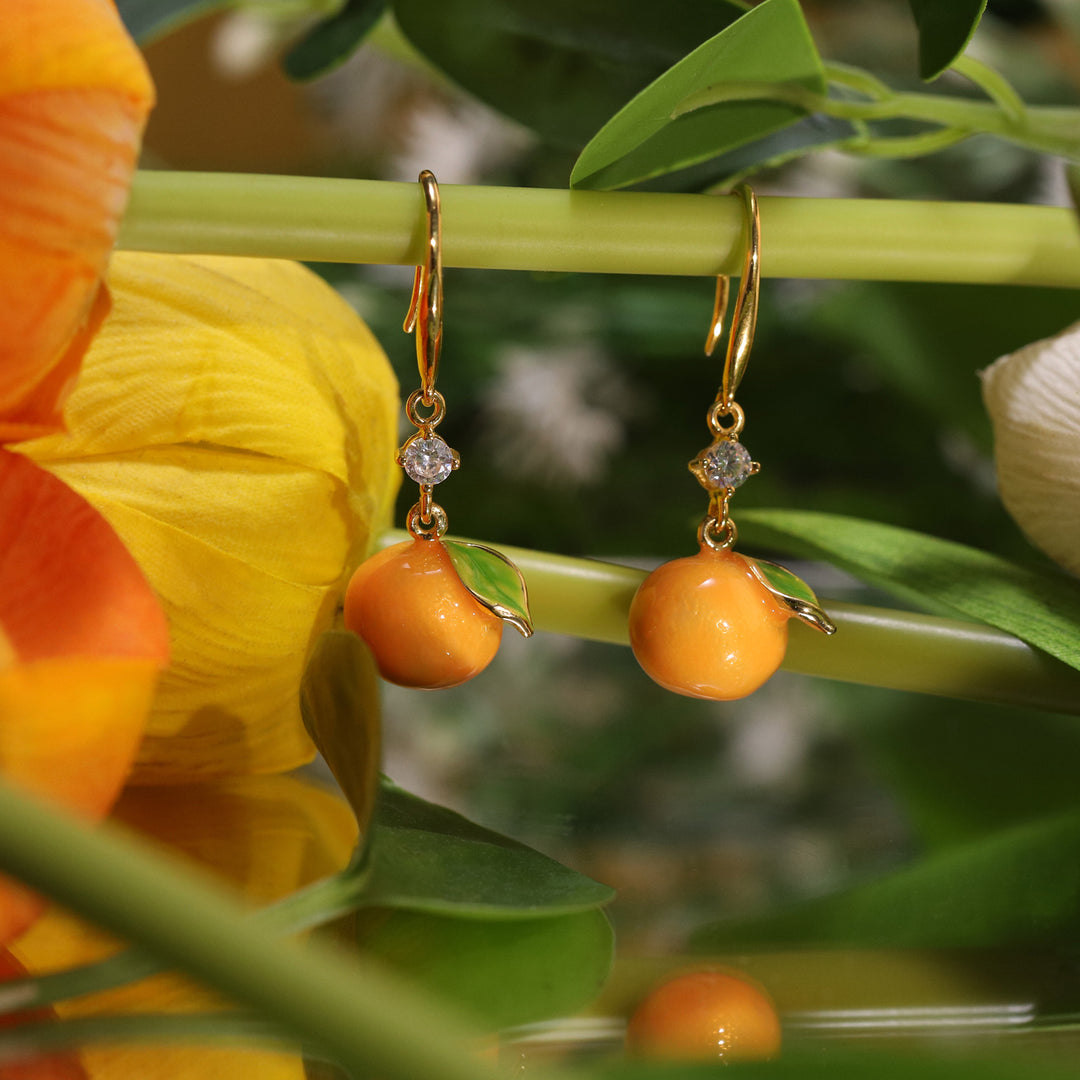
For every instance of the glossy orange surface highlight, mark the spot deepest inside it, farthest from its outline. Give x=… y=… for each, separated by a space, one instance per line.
x=424 y=628
x=705 y=627
x=705 y=1015
x=74 y=97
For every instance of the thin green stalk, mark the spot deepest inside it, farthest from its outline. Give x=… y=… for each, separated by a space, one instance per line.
x=1045 y=128
x=29 y=1041
x=368 y=221
x=994 y=85
x=898 y=650
x=316 y=905
x=358 y=1013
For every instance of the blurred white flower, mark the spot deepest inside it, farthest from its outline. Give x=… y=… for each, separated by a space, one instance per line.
x=1033 y=397
x=555 y=415
x=460 y=141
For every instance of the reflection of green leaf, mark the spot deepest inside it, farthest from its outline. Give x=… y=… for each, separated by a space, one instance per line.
x=333 y=41
x=961 y=771
x=428 y=858
x=1017 y=886
x=824 y=1061
x=494 y=580
x=561 y=67
x=793 y=593
x=1040 y=607
x=503 y=973
x=339 y=702
x=945 y=28
x=770 y=43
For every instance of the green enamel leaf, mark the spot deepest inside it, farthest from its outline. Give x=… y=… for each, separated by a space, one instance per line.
x=339 y=703
x=945 y=28
x=427 y=858
x=499 y=974
x=1039 y=606
x=770 y=44
x=793 y=593
x=494 y=580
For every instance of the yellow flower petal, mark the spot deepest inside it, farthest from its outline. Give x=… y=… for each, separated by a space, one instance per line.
x=267 y=836
x=236 y=423
x=1033 y=397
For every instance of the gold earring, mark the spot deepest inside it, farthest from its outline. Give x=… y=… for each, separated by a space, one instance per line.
x=431 y=610
x=714 y=625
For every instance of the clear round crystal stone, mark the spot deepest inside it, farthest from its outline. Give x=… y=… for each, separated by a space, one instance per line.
x=428 y=461
x=726 y=464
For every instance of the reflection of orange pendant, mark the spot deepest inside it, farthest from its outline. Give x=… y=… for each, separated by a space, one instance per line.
x=705 y=626
x=424 y=628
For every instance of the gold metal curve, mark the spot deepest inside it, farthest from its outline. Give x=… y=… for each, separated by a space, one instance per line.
x=425 y=314
x=744 y=319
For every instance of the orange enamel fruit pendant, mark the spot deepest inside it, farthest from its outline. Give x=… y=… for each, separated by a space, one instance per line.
x=431 y=610
x=423 y=627
x=706 y=626
x=714 y=625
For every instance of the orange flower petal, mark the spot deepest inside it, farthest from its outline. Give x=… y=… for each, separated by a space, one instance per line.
x=69 y=731
x=74 y=97
x=68 y=586
x=40 y=411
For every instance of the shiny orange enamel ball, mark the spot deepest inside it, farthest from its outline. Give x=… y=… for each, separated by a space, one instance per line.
x=705 y=626
x=424 y=628
x=705 y=1015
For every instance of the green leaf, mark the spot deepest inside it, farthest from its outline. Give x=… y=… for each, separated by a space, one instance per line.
x=423 y=857
x=1017 y=886
x=805 y=136
x=339 y=703
x=564 y=66
x=494 y=580
x=1038 y=606
x=962 y=771
x=333 y=41
x=945 y=28
x=149 y=19
x=428 y=858
x=793 y=593
x=501 y=974
x=771 y=43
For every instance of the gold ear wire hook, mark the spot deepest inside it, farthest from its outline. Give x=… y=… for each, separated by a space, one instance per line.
x=744 y=318
x=425 y=306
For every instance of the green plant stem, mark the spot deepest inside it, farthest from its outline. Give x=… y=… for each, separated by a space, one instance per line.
x=357 y=1013
x=898 y=650
x=368 y=221
x=1045 y=128
x=29 y=1041
x=315 y=905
